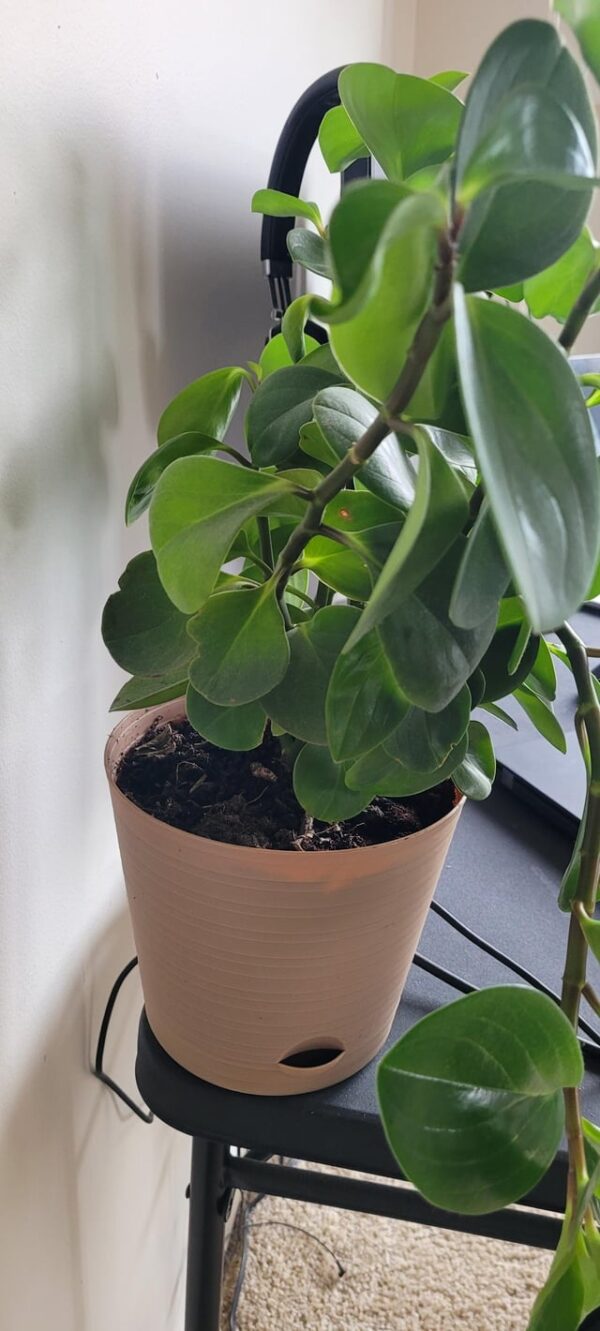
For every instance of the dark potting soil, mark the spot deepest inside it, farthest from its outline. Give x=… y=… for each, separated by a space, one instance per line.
x=247 y=799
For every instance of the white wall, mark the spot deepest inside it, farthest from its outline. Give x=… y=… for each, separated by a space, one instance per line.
x=131 y=136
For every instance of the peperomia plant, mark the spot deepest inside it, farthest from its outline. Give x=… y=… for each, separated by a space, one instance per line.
x=417 y=507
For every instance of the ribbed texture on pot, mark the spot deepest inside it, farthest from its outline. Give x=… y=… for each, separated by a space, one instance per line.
x=247 y=956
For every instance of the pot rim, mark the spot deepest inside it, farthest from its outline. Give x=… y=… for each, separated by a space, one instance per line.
x=225 y=847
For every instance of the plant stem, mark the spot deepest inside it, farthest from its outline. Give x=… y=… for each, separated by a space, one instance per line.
x=323 y=595
x=591 y=997
x=423 y=345
x=574 y=978
x=266 y=544
x=579 y=313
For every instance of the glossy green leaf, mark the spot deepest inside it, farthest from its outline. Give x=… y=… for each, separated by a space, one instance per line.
x=343 y=416
x=500 y=714
x=345 y=571
x=320 y=787
x=476 y=683
x=572 y=1289
x=406 y=122
x=482 y=577
x=206 y=406
x=293 y=325
x=424 y=740
x=541 y=715
x=431 y=658
x=449 y=78
x=542 y=676
x=275 y=355
x=358 y=241
x=533 y=138
x=385 y=775
x=475 y=774
x=242 y=649
x=363 y=701
x=514 y=293
x=455 y=448
x=532 y=437
x=198 y=506
x=279 y=409
x=310 y=250
x=471 y=1097
x=521 y=228
x=144 y=632
x=238 y=728
x=371 y=526
x=144 y=482
x=495 y=663
x=436 y=517
x=276 y=204
x=583 y=16
x=371 y=346
x=339 y=140
x=149 y=691
x=556 y=289
x=298 y=702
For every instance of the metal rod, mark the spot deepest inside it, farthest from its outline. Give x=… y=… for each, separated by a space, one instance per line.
x=209 y=1196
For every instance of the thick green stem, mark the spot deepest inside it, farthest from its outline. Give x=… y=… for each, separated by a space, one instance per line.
x=580 y=311
x=574 y=978
x=424 y=343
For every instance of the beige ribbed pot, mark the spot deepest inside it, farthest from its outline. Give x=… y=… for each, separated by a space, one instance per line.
x=249 y=957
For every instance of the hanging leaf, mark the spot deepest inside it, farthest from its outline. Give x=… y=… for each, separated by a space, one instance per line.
x=275 y=355
x=241 y=645
x=144 y=482
x=279 y=409
x=198 y=506
x=482 y=577
x=406 y=122
x=475 y=774
x=449 y=78
x=320 y=788
x=424 y=740
x=500 y=714
x=471 y=1097
x=431 y=658
x=276 y=204
x=339 y=140
x=522 y=228
x=144 y=632
x=542 y=676
x=541 y=715
x=363 y=701
x=310 y=250
x=499 y=682
x=436 y=517
x=298 y=702
x=205 y=406
x=583 y=17
x=532 y=437
x=238 y=728
x=343 y=416
x=384 y=775
x=556 y=289
x=149 y=691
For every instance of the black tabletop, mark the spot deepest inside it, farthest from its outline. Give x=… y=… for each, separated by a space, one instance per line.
x=501 y=879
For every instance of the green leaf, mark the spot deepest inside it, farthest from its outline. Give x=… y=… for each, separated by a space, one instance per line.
x=298 y=702
x=293 y=324
x=471 y=1097
x=339 y=140
x=514 y=293
x=275 y=355
x=449 y=78
x=320 y=787
x=455 y=448
x=144 y=632
x=276 y=204
x=424 y=740
x=238 y=728
x=499 y=713
x=556 y=289
x=343 y=416
x=533 y=438
x=363 y=701
x=206 y=406
x=279 y=409
x=384 y=775
x=476 y=684
x=541 y=715
x=372 y=344
x=370 y=526
x=475 y=774
x=572 y=1289
x=431 y=658
x=521 y=228
x=533 y=138
x=198 y=506
x=358 y=241
x=150 y=690
x=406 y=122
x=542 y=676
x=436 y=517
x=309 y=250
x=241 y=644
x=482 y=576
x=144 y=482
x=583 y=17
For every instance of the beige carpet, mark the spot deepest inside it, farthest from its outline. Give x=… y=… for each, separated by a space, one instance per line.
x=398 y=1277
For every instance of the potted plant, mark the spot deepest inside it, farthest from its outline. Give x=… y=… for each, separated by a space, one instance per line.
x=318 y=618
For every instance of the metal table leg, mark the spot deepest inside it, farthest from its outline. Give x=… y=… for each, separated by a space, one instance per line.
x=209 y=1198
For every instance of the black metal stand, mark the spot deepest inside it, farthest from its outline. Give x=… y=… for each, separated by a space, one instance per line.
x=210 y=1192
